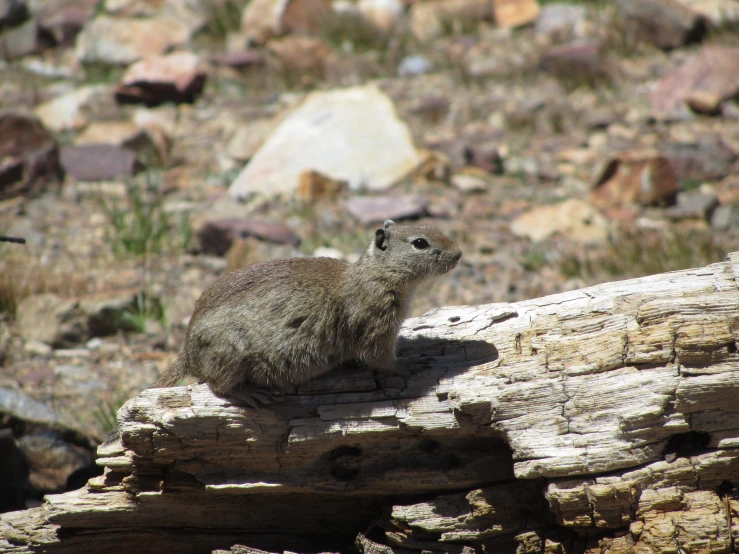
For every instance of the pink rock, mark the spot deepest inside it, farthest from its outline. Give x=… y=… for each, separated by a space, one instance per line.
x=63 y=19
x=375 y=209
x=99 y=162
x=581 y=60
x=239 y=59
x=174 y=77
x=713 y=71
x=216 y=237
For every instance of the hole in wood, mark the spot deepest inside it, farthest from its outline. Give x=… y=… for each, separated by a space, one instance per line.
x=688 y=443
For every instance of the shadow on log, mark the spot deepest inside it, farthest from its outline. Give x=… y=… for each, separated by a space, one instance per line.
x=603 y=420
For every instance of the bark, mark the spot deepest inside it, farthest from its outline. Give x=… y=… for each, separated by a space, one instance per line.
x=600 y=420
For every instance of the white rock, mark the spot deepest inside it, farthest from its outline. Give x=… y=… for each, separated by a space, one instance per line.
x=327 y=252
x=384 y=14
x=67 y=112
x=123 y=40
x=573 y=219
x=248 y=138
x=349 y=134
x=120 y=133
x=410 y=66
x=70 y=353
x=562 y=18
x=37 y=348
x=194 y=13
x=94 y=343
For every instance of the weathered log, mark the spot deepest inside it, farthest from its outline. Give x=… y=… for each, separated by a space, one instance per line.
x=600 y=420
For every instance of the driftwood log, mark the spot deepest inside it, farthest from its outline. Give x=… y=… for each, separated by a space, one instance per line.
x=603 y=420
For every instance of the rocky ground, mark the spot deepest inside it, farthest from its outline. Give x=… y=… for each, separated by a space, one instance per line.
x=146 y=148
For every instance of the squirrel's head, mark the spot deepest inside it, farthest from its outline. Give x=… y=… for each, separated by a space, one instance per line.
x=413 y=251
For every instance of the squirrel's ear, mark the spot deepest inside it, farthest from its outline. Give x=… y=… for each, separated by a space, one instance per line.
x=388 y=223
x=381 y=239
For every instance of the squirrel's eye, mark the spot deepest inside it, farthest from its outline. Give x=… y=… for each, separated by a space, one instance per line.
x=420 y=244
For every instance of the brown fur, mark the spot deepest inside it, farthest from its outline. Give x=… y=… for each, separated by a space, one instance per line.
x=279 y=323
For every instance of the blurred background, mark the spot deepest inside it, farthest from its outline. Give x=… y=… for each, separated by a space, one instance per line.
x=149 y=146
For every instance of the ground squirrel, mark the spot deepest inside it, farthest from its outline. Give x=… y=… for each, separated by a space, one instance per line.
x=274 y=325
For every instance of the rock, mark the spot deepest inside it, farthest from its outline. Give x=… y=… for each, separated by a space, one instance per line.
x=485 y=157
x=126 y=40
x=302 y=56
x=160 y=125
x=327 y=252
x=665 y=23
x=376 y=209
x=29 y=157
x=707 y=159
x=581 y=60
x=348 y=134
x=562 y=20
x=37 y=348
x=52 y=460
x=248 y=138
x=71 y=111
x=64 y=322
x=192 y=13
x=12 y=12
x=573 y=219
x=644 y=176
x=239 y=60
x=712 y=72
x=383 y=14
x=250 y=250
x=265 y=19
x=704 y=102
x=427 y=19
x=693 y=204
x=105 y=313
x=412 y=66
x=64 y=19
x=51 y=319
x=23 y=40
x=315 y=186
x=436 y=166
x=123 y=134
x=174 y=77
x=471 y=179
x=725 y=217
x=34 y=414
x=216 y=237
x=99 y=162
x=514 y=13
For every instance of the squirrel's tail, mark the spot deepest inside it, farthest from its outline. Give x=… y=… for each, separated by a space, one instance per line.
x=172 y=374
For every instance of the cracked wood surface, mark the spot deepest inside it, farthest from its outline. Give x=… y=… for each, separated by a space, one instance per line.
x=603 y=420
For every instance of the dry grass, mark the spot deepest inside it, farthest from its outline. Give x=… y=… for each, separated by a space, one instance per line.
x=22 y=275
x=637 y=252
